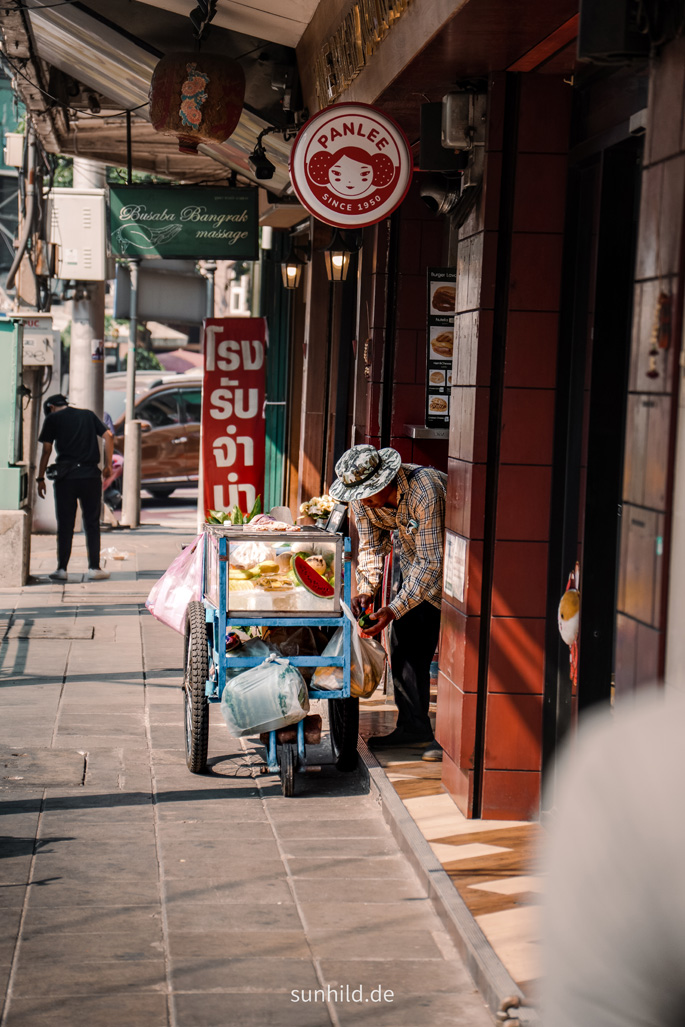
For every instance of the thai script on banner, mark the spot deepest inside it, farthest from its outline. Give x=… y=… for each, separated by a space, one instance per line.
x=233 y=424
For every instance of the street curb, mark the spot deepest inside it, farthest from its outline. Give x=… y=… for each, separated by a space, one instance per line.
x=489 y=974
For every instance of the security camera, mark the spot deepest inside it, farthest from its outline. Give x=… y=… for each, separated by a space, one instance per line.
x=260 y=163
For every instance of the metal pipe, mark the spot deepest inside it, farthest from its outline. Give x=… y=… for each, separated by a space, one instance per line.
x=29 y=209
x=130 y=514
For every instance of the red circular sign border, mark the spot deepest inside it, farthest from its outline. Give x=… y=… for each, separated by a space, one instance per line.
x=308 y=124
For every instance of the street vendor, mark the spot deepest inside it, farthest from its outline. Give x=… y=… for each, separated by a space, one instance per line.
x=386 y=497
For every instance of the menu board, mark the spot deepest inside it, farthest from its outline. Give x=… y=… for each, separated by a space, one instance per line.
x=442 y=295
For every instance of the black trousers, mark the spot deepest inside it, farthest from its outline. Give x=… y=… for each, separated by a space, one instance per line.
x=69 y=492
x=413 y=640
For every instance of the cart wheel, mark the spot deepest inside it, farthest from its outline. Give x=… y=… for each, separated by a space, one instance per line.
x=288 y=763
x=195 y=703
x=343 y=716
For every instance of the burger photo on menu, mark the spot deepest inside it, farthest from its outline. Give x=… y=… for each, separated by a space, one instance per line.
x=437 y=405
x=442 y=344
x=437 y=377
x=444 y=298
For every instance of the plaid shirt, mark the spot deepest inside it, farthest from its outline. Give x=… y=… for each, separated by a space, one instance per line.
x=420 y=523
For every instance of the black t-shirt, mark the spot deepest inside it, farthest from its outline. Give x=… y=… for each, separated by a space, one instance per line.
x=75 y=436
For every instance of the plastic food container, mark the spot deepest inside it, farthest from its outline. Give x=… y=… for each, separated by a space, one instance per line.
x=289 y=573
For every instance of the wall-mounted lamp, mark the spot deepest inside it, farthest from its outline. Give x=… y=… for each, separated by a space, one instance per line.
x=291 y=267
x=338 y=252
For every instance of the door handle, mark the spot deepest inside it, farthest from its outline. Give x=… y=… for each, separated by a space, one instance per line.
x=182 y=438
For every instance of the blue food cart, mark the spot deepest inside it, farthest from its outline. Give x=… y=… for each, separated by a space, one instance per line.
x=249 y=581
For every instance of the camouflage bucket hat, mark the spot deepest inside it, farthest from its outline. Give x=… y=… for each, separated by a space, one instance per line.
x=363 y=471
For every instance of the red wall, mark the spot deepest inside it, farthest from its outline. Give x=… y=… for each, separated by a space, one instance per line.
x=422 y=244
x=512 y=676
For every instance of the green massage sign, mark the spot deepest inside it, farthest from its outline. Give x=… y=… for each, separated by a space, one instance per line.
x=199 y=223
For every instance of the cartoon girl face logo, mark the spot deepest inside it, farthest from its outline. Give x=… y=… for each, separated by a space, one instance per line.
x=351 y=171
x=351 y=166
x=350 y=177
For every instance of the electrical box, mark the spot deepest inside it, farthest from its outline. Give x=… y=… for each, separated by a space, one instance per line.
x=40 y=340
x=13 y=153
x=13 y=474
x=77 y=219
x=463 y=120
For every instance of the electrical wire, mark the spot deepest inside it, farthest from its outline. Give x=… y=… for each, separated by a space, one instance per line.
x=38 y=7
x=61 y=103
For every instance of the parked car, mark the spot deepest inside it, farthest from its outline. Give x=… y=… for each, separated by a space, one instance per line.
x=170 y=433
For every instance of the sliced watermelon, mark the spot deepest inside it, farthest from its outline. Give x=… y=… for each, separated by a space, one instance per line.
x=311 y=579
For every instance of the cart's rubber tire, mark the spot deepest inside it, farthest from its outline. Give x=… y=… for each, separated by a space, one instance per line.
x=288 y=765
x=343 y=717
x=196 y=706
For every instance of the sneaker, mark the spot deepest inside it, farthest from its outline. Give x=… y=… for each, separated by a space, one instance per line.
x=58 y=575
x=96 y=574
x=433 y=753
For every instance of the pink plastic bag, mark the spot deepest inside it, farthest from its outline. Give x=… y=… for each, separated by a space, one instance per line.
x=178 y=586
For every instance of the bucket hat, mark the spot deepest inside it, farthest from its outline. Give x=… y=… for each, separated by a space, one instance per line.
x=363 y=471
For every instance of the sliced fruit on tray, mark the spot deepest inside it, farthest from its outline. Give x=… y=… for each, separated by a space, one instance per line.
x=311 y=579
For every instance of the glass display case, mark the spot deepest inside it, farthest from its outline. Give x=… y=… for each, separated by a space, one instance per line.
x=287 y=573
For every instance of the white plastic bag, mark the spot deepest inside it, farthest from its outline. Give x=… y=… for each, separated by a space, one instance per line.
x=250 y=554
x=267 y=697
x=179 y=585
x=367 y=663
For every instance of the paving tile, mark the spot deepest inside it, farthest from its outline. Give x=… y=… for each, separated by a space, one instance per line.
x=209 y=918
x=405 y=977
x=357 y=890
x=143 y=921
x=84 y=891
x=234 y=944
x=384 y=868
x=121 y=1009
x=390 y=943
x=216 y=970
x=197 y=831
x=267 y=890
x=211 y=1010
x=443 y=1010
x=204 y=854
x=140 y=942
x=409 y=914
x=327 y=848
x=323 y=828
x=59 y=979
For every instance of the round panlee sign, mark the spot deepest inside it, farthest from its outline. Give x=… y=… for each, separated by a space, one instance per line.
x=351 y=165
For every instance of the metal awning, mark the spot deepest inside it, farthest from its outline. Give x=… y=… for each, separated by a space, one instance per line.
x=111 y=50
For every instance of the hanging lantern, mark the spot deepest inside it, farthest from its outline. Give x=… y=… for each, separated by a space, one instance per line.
x=197 y=97
x=291 y=267
x=337 y=255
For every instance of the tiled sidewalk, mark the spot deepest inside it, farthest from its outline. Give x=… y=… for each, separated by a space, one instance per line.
x=492 y=863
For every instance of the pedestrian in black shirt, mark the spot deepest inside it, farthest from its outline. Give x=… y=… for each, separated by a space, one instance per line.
x=78 y=478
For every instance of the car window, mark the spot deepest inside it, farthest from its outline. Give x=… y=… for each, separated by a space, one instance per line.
x=115 y=403
x=191 y=405
x=160 y=411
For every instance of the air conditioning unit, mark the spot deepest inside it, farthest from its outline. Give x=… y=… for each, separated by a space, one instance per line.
x=77 y=227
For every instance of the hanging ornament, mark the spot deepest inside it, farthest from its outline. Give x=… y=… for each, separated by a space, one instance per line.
x=568 y=619
x=197 y=97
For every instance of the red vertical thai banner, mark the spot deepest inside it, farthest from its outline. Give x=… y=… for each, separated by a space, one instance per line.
x=233 y=424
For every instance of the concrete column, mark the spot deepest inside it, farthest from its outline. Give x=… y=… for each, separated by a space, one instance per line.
x=87 y=357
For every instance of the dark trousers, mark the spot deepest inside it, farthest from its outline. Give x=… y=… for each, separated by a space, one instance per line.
x=413 y=640
x=69 y=492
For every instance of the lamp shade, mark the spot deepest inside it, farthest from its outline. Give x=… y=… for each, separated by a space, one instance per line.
x=337 y=257
x=198 y=97
x=291 y=272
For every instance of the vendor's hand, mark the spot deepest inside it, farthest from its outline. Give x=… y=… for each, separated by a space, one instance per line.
x=107 y=471
x=381 y=619
x=41 y=488
x=359 y=604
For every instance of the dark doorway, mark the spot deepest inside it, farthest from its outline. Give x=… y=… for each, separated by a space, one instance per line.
x=594 y=352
